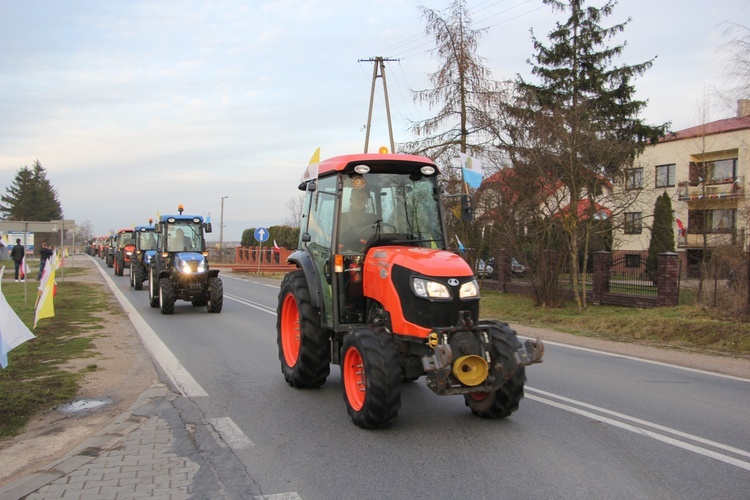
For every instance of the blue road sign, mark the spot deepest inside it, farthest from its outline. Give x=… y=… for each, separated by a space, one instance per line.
x=261 y=234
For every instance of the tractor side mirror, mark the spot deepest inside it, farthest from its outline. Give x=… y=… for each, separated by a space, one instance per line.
x=467 y=212
x=208 y=227
x=157 y=227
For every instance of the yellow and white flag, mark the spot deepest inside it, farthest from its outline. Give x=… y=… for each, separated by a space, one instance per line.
x=45 y=306
x=311 y=172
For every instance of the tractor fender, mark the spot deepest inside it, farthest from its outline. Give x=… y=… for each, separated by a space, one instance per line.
x=213 y=273
x=303 y=261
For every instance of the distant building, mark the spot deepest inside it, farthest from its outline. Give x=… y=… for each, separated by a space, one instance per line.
x=705 y=170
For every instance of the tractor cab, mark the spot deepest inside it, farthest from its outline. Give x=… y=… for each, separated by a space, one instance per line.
x=382 y=207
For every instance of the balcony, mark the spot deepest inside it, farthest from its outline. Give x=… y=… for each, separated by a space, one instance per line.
x=716 y=239
x=713 y=189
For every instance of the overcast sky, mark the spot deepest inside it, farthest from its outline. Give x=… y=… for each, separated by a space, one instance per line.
x=133 y=107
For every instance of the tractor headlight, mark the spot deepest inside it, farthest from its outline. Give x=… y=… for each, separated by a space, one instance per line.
x=428 y=289
x=192 y=266
x=469 y=290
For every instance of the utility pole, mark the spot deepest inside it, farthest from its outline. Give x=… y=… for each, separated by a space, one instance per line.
x=379 y=64
x=221 y=230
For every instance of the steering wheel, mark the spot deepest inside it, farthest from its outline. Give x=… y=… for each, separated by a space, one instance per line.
x=367 y=230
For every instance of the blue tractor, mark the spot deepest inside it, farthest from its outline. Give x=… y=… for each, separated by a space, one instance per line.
x=179 y=270
x=146 y=245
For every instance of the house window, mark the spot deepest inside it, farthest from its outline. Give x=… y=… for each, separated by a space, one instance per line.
x=665 y=175
x=633 y=223
x=723 y=221
x=713 y=172
x=632 y=261
x=634 y=178
x=712 y=221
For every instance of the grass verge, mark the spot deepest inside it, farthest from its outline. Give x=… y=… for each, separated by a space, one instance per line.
x=37 y=378
x=684 y=327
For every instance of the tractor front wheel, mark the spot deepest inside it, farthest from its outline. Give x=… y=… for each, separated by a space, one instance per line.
x=303 y=343
x=503 y=401
x=215 y=294
x=371 y=375
x=138 y=275
x=167 y=296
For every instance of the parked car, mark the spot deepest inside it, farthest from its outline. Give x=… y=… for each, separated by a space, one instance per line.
x=487 y=270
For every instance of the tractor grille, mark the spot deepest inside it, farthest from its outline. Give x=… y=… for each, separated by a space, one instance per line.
x=431 y=314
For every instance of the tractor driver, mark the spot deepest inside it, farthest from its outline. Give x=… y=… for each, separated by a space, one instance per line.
x=354 y=223
x=177 y=242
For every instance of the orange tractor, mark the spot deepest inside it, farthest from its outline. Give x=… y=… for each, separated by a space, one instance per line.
x=124 y=247
x=378 y=292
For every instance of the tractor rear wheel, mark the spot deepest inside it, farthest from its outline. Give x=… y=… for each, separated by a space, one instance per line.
x=119 y=267
x=167 y=296
x=215 y=294
x=504 y=401
x=303 y=344
x=371 y=375
x=153 y=288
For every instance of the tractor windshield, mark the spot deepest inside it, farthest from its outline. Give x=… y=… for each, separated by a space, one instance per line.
x=184 y=236
x=386 y=208
x=126 y=239
x=148 y=240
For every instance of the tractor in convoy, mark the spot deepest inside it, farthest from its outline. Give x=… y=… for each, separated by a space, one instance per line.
x=146 y=245
x=107 y=249
x=179 y=269
x=378 y=292
x=124 y=245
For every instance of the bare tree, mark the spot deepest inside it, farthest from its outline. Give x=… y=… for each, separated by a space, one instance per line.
x=460 y=85
x=736 y=53
x=294 y=207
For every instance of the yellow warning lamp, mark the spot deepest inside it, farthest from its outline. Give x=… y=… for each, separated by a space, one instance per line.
x=383 y=150
x=180 y=208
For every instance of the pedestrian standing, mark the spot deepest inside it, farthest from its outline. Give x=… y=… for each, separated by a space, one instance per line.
x=17 y=253
x=44 y=254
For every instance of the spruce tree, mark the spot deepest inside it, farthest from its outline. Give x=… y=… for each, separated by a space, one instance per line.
x=31 y=197
x=580 y=120
x=662 y=232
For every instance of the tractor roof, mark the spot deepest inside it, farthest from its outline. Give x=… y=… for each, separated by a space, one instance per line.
x=125 y=230
x=165 y=218
x=348 y=162
x=144 y=228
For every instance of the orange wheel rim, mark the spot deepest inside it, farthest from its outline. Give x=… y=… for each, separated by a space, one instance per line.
x=354 y=379
x=290 y=334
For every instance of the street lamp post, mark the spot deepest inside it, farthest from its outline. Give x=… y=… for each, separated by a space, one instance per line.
x=221 y=230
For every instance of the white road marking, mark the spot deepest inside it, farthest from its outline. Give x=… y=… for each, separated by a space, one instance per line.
x=649 y=361
x=161 y=354
x=230 y=433
x=256 y=305
x=645 y=432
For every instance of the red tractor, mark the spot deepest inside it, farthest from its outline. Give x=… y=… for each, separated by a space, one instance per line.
x=123 y=250
x=378 y=292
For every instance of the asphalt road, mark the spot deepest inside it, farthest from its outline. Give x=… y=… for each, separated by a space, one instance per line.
x=592 y=425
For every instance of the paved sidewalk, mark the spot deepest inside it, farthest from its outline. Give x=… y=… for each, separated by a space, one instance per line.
x=162 y=447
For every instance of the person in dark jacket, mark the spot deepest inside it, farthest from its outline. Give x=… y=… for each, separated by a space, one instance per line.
x=44 y=254
x=16 y=253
